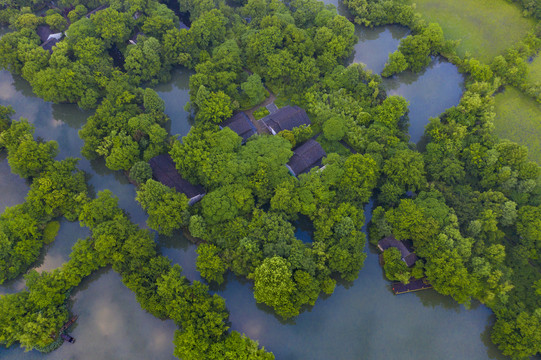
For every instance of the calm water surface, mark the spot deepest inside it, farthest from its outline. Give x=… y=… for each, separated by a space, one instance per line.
x=361 y=320
x=429 y=93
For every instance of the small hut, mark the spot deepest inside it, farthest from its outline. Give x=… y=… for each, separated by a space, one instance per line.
x=306 y=157
x=46 y=34
x=407 y=256
x=133 y=40
x=286 y=118
x=164 y=171
x=48 y=45
x=241 y=124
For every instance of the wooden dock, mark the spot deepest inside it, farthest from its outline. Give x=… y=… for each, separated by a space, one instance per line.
x=413 y=285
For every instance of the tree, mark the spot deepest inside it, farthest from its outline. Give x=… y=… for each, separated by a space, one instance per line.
x=274 y=286
x=140 y=172
x=406 y=169
x=334 y=129
x=152 y=101
x=143 y=61
x=167 y=209
x=213 y=107
x=209 y=263
x=395 y=268
x=56 y=21
x=112 y=25
x=254 y=89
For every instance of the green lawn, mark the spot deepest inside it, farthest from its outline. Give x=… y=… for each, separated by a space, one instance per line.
x=486 y=27
x=534 y=70
x=518 y=118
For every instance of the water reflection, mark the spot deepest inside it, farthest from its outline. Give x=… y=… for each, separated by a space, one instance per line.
x=375 y=45
x=175 y=93
x=429 y=93
x=13 y=188
x=180 y=251
x=109 y=326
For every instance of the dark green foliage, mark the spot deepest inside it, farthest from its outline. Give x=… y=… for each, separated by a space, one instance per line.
x=140 y=172
x=50 y=231
x=395 y=268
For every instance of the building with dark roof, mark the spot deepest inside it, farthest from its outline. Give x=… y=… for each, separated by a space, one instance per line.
x=165 y=171
x=286 y=118
x=48 y=45
x=306 y=157
x=408 y=257
x=241 y=124
x=43 y=32
x=103 y=7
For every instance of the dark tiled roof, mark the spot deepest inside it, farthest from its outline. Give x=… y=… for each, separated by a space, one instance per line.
x=103 y=7
x=305 y=157
x=286 y=118
x=43 y=32
x=409 y=257
x=48 y=45
x=241 y=124
x=164 y=171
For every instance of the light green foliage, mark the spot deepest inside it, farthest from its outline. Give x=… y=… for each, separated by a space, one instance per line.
x=261 y=113
x=391 y=111
x=213 y=107
x=29 y=21
x=5 y=119
x=167 y=209
x=209 y=263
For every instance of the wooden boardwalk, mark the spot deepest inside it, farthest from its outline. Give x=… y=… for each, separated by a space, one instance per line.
x=413 y=285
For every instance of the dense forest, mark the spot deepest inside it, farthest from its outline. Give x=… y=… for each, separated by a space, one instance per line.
x=469 y=202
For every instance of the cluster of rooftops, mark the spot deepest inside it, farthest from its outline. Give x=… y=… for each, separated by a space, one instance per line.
x=305 y=157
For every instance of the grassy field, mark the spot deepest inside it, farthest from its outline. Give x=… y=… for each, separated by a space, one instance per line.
x=486 y=27
x=518 y=118
x=534 y=70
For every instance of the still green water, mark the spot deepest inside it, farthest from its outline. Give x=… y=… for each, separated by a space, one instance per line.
x=361 y=320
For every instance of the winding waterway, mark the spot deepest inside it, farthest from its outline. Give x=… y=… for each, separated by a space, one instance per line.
x=361 y=320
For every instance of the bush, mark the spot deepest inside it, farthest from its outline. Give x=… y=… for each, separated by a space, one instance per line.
x=261 y=113
x=50 y=231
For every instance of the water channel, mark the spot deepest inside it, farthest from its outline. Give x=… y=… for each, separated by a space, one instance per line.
x=361 y=320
